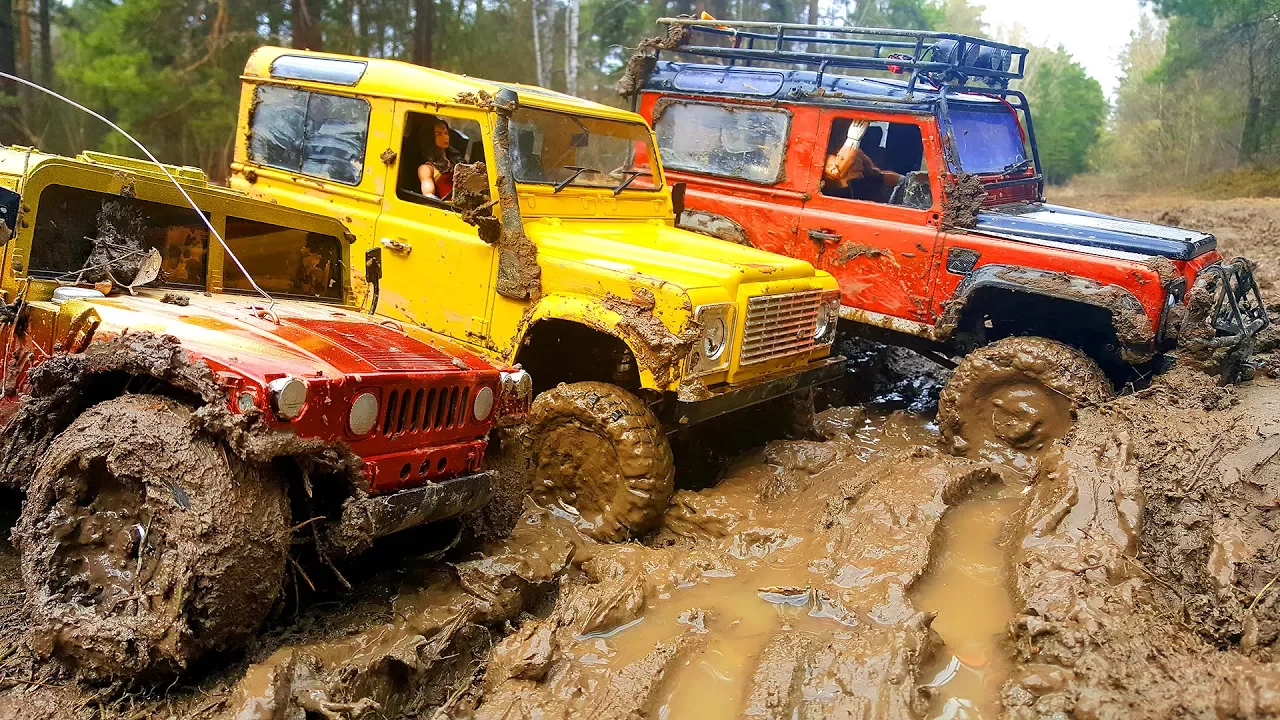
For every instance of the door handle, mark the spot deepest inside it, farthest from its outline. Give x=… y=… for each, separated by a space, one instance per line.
x=822 y=236
x=400 y=246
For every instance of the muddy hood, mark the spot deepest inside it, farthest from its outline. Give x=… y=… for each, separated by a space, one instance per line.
x=306 y=339
x=679 y=256
x=1053 y=223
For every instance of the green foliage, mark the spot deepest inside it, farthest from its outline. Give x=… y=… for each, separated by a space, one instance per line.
x=1069 y=110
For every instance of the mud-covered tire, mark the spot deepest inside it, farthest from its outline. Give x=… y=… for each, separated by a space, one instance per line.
x=601 y=455
x=145 y=544
x=1019 y=392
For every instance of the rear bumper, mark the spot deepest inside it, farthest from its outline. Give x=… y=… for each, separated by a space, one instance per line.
x=683 y=413
x=364 y=519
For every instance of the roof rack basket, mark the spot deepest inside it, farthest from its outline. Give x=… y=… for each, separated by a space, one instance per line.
x=941 y=58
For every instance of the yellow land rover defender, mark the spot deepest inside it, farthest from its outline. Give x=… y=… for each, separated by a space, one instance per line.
x=537 y=228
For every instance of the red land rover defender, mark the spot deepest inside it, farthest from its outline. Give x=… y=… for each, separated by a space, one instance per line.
x=923 y=196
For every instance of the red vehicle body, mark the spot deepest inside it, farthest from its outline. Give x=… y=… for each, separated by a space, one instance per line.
x=908 y=275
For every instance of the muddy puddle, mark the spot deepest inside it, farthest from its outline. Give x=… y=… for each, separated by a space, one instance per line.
x=968 y=586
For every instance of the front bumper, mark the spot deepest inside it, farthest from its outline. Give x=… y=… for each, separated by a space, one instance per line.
x=683 y=413
x=365 y=519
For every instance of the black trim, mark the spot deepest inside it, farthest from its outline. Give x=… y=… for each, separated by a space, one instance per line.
x=681 y=414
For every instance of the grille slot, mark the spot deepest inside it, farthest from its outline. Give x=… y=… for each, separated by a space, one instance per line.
x=415 y=410
x=779 y=326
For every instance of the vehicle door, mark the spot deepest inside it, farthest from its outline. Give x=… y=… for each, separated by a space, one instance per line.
x=436 y=270
x=877 y=240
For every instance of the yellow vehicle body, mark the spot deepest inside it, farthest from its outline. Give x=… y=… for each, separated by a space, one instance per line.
x=611 y=259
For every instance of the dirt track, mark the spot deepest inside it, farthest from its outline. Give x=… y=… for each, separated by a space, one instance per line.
x=1127 y=572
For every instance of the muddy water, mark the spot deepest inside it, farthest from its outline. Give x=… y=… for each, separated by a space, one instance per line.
x=968 y=587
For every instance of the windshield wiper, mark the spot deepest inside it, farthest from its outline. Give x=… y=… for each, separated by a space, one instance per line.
x=577 y=170
x=633 y=175
x=1017 y=167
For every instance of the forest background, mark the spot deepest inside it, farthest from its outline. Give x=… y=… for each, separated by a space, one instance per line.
x=1196 y=107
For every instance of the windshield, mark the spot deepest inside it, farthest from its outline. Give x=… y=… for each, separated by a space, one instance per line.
x=559 y=149
x=988 y=141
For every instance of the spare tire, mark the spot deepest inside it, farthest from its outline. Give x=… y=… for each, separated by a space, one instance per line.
x=600 y=457
x=1018 y=392
x=145 y=543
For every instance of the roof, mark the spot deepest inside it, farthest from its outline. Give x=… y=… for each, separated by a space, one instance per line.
x=798 y=86
x=401 y=80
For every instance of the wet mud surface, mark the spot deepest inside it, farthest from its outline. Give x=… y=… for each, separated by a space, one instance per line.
x=1122 y=565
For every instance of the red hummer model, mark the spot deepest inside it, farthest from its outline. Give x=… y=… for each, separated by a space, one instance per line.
x=189 y=402
x=923 y=196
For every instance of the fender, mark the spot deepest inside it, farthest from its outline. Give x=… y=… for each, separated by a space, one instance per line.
x=713 y=224
x=1133 y=327
x=659 y=352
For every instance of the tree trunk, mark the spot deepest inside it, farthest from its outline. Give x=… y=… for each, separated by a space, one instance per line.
x=541 y=64
x=8 y=60
x=423 y=29
x=46 y=45
x=1251 y=138
x=362 y=27
x=571 y=47
x=23 y=10
x=307 y=33
x=813 y=20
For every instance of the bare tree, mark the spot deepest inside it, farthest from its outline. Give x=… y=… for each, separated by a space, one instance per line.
x=541 y=45
x=571 y=46
x=423 y=28
x=307 y=33
x=46 y=45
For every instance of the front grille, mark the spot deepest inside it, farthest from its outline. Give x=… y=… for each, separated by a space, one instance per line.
x=779 y=326
x=425 y=410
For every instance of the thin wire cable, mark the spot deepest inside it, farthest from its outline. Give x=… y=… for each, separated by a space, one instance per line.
x=163 y=169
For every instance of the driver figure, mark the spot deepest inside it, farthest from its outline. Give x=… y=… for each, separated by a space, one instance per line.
x=849 y=173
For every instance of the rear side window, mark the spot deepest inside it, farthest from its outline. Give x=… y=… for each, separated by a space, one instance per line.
x=740 y=142
x=283 y=261
x=72 y=222
x=310 y=133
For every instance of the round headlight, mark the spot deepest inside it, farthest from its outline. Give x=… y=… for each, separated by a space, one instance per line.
x=825 y=319
x=363 y=415
x=715 y=333
x=483 y=405
x=288 y=396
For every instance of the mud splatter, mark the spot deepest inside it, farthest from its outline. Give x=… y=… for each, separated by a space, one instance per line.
x=965 y=195
x=641 y=63
x=664 y=350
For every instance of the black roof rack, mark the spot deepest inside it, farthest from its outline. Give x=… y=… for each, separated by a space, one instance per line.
x=941 y=58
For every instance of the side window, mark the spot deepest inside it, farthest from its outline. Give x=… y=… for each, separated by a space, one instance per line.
x=310 y=133
x=283 y=260
x=887 y=166
x=742 y=142
x=433 y=146
x=86 y=230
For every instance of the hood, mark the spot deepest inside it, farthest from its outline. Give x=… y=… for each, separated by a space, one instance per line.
x=1056 y=224
x=309 y=337
x=672 y=254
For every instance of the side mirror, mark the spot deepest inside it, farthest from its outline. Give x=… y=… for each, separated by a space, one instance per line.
x=677 y=199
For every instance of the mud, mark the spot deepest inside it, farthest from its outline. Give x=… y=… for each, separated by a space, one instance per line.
x=119 y=248
x=661 y=350
x=641 y=63
x=519 y=275
x=964 y=197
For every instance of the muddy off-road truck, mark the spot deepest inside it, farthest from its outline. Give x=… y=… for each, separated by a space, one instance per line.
x=554 y=248
x=179 y=436
x=923 y=196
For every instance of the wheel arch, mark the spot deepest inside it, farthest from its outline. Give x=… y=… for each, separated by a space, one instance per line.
x=1056 y=305
x=656 y=354
x=715 y=225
